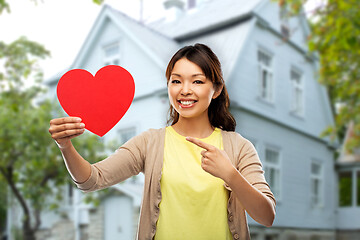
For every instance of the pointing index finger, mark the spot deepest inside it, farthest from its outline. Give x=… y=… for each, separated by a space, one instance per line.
x=199 y=143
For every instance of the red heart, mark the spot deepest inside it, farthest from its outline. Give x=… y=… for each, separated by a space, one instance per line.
x=100 y=101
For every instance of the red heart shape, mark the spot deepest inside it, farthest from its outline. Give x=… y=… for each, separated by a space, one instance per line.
x=100 y=101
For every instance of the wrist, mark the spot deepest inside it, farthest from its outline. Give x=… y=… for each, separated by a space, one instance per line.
x=64 y=146
x=231 y=174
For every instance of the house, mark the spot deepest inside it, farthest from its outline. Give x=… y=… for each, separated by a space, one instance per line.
x=275 y=97
x=348 y=169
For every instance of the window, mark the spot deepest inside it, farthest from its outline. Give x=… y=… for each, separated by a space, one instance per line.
x=265 y=76
x=345 y=189
x=316 y=184
x=111 y=54
x=297 y=102
x=272 y=170
x=284 y=19
x=126 y=134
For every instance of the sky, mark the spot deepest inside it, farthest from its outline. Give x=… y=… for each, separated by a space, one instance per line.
x=63 y=25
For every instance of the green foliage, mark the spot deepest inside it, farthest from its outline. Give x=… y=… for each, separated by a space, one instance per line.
x=4 y=6
x=30 y=162
x=335 y=32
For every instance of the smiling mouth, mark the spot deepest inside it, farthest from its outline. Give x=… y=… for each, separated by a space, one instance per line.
x=187 y=103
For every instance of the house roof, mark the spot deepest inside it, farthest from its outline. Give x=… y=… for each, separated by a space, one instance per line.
x=345 y=156
x=197 y=21
x=160 y=44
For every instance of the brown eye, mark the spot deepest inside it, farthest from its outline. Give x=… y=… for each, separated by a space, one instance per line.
x=198 y=82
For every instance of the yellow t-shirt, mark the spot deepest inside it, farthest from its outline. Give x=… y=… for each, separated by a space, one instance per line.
x=194 y=203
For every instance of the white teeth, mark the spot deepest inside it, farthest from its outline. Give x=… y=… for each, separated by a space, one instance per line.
x=187 y=102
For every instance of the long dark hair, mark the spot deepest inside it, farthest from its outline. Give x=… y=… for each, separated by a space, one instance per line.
x=206 y=59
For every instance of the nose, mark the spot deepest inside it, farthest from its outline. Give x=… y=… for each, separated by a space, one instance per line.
x=186 y=89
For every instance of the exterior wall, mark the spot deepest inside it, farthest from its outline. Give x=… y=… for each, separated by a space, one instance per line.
x=294 y=208
x=142 y=115
x=243 y=84
x=270 y=11
x=118 y=216
x=147 y=75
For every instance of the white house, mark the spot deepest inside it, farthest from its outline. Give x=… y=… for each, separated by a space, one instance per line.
x=275 y=97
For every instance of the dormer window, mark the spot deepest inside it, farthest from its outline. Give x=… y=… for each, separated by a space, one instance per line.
x=284 y=21
x=111 y=54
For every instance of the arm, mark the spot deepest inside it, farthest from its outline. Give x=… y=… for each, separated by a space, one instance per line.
x=62 y=130
x=127 y=161
x=259 y=206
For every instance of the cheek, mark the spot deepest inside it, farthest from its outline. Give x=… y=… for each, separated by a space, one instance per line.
x=172 y=95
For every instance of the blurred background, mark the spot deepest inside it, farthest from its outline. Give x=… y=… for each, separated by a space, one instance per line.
x=291 y=69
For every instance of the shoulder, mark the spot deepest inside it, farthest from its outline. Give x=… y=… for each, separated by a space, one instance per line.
x=234 y=137
x=153 y=133
x=150 y=135
x=148 y=138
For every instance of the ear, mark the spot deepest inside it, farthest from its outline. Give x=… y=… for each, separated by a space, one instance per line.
x=217 y=92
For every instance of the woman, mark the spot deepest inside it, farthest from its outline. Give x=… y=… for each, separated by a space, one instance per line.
x=200 y=176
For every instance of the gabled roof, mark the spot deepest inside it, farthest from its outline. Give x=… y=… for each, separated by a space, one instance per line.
x=141 y=35
x=156 y=42
x=222 y=13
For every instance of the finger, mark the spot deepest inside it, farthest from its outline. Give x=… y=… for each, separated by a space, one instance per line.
x=67 y=133
x=199 y=143
x=64 y=127
x=203 y=153
x=71 y=137
x=64 y=120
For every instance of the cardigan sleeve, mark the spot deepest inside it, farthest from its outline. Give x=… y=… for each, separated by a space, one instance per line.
x=251 y=168
x=126 y=161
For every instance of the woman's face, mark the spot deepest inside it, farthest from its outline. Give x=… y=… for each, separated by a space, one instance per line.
x=190 y=92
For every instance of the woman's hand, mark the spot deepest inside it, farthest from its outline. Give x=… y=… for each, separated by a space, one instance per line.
x=62 y=130
x=214 y=161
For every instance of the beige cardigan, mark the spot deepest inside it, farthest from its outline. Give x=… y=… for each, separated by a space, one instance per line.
x=144 y=153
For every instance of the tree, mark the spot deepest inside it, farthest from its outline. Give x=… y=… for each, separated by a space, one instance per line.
x=335 y=37
x=29 y=158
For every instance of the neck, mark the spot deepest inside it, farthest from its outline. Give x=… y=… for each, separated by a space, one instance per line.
x=194 y=127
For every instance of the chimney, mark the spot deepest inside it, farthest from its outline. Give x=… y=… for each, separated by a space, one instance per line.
x=174 y=9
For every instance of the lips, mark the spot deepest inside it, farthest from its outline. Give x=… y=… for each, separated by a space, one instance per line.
x=186 y=103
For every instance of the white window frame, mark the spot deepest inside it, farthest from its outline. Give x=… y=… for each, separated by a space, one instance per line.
x=267 y=166
x=267 y=93
x=354 y=187
x=297 y=103
x=317 y=201
x=113 y=59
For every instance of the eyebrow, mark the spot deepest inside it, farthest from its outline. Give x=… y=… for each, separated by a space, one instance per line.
x=194 y=75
